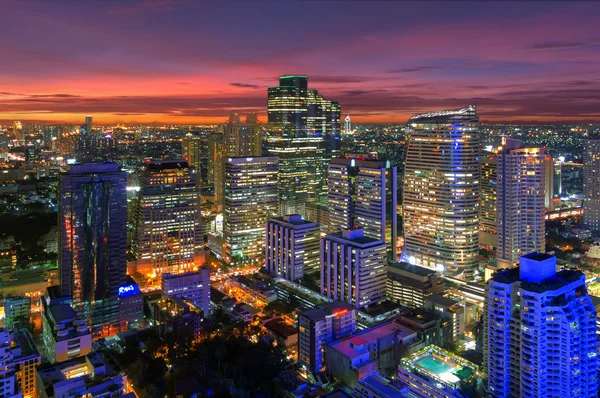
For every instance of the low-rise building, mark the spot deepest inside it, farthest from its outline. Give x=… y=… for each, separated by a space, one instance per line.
x=17 y=313
x=180 y=317
x=410 y=284
x=18 y=360
x=374 y=350
x=96 y=375
x=285 y=335
x=66 y=336
x=451 y=310
x=194 y=286
x=377 y=386
x=131 y=305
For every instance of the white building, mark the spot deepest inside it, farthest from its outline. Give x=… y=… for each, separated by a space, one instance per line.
x=194 y=286
x=441 y=191
x=353 y=268
x=591 y=182
x=520 y=202
x=540 y=329
x=292 y=247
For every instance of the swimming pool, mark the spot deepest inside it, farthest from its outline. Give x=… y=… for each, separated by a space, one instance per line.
x=434 y=365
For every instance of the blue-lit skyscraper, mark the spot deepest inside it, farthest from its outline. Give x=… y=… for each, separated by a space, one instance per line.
x=92 y=211
x=540 y=332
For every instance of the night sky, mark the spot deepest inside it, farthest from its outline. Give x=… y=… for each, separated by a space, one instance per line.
x=195 y=61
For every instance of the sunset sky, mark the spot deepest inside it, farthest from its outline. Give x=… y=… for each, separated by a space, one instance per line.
x=195 y=61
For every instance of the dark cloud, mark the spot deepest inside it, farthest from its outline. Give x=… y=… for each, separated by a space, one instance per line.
x=556 y=45
x=245 y=85
x=340 y=79
x=423 y=68
x=360 y=92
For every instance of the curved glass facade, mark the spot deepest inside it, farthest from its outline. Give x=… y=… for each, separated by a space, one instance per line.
x=441 y=191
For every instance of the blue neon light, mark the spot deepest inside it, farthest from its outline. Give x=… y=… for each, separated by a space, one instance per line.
x=129 y=290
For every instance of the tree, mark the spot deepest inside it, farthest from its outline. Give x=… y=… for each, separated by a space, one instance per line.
x=219 y=352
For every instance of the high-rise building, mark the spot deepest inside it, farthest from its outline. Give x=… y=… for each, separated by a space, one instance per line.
x=549 y=183
x=297 y=111
x=441 y=191
x=215 y=165
x=89 y=125
x=65 y=335
x=363 y=192
x=242 y=139
x=347 y=125
x=191 y=149
x=353 y=268
x=540 y=329
x=293 y=247
x=320 y=326
x=520 y=205
x=301 y=171
x=169 y=233
x=92 y=211
x=591 y=181
x=193 y=286
x=19 y=358
x=251 y=197
x=488 y=198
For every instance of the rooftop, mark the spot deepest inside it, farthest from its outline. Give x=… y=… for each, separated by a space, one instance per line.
x=441 y=300
x=414 y=269
x=445 y=114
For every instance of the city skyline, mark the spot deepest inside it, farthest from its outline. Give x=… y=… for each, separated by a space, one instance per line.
x=153 y=62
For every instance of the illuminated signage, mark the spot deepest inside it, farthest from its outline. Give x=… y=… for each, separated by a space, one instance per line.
x=129 y=290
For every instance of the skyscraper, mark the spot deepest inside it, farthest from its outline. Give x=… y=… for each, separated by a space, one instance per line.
x=441 y=191
x=488 y=199
x=549 y=183
x=168 y=236
x=191 y=149
x=292 y=247
x=297 y=111
x=520 y=205
x=320 y=326
x=540 y=332
x=591 y=181
x=362 y=192
x=89 y=126
x=301 y=171
x=92 y=213
x=353 y=268
x=347 y=125
x=242 y=138
x=215 y=164
x=250 y=199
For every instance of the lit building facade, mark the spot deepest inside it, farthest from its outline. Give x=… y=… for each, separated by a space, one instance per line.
x=17 y=313
x=293 y=247
x=540 y=332
x=191 y=149
x=169 y=230
x=353 y=268
x=591 y=182
x=549 y=183
x=301 y=171
x=488 y=199
x=520 y=204
x=19 y=358
x=215 y=165
x=193 y=286
x=409 y=284
x=242 y=138
x=441 y=191
x=251 y=197
x=320 y=326
x=65 y=335
x=92 y=211
x=297 y=111
x=363 y=192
